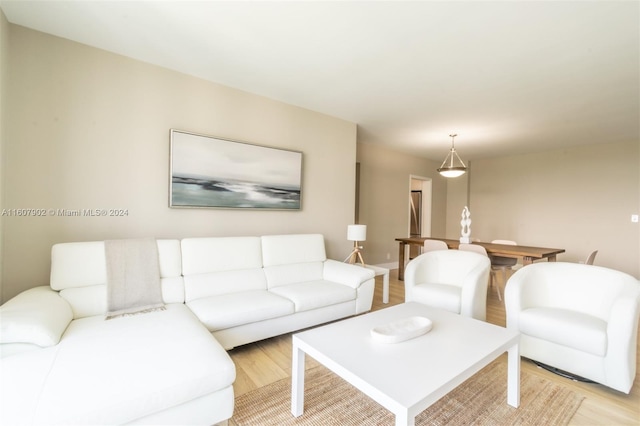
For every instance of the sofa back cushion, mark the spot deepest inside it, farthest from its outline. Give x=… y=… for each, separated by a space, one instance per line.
x=292 y=259
x=76 y=265
x=222 y=265
x=79 y=272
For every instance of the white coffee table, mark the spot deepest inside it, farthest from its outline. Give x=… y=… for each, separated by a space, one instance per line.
x=407 y=377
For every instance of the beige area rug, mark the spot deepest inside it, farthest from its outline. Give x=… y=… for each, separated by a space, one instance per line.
x=481 y=400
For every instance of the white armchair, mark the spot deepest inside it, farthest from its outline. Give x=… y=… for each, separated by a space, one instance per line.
x=580 y=319
x=453 y=280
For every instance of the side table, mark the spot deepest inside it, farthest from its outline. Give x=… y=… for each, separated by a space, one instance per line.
x=385 y=280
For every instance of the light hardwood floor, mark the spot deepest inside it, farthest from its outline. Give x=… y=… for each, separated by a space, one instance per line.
x=261 y=363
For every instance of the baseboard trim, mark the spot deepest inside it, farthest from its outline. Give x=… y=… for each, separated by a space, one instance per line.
x=391 y=265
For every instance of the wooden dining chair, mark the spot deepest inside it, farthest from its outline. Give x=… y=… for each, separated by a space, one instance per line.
x=591 y=258
x=430 y=245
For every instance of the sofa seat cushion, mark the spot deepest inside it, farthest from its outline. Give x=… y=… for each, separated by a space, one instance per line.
x=576 y=330
x=443 y=296
x=315 y=294
x=116 y=371
x=234 y=309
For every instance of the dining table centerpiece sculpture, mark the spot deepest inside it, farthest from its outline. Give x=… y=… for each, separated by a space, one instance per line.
x=465 y=223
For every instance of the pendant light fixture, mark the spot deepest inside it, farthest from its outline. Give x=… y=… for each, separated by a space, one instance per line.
x=449 y=167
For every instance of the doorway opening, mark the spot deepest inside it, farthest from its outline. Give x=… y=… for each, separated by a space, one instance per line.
x=419 y=210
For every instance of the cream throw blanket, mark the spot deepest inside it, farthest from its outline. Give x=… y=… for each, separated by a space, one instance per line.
x=133 y=277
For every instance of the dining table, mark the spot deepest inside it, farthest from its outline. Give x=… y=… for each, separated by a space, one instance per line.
x=528 y=254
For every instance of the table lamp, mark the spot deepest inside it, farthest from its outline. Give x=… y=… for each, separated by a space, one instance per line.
x=356 y=233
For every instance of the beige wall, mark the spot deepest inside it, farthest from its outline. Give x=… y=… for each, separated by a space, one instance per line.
x=87 y=129
x=578 y=199
x=83 y=128
x=385 y=185
x=4 y=68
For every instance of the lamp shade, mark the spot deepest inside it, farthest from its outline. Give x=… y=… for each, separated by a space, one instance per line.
x=452 y=166
x=357 y=232
x=452 y=172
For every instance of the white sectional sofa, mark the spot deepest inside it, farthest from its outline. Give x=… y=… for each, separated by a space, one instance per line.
x=63 y=363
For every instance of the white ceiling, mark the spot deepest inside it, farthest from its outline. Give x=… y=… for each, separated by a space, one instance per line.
x=507 y=76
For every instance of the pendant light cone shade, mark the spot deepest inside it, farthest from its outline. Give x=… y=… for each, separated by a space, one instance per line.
x=450 y=167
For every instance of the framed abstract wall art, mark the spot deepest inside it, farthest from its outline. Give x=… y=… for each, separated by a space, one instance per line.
x=219 y=173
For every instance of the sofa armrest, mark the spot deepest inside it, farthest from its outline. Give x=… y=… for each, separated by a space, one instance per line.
x=38 y=316
x=346 y=274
